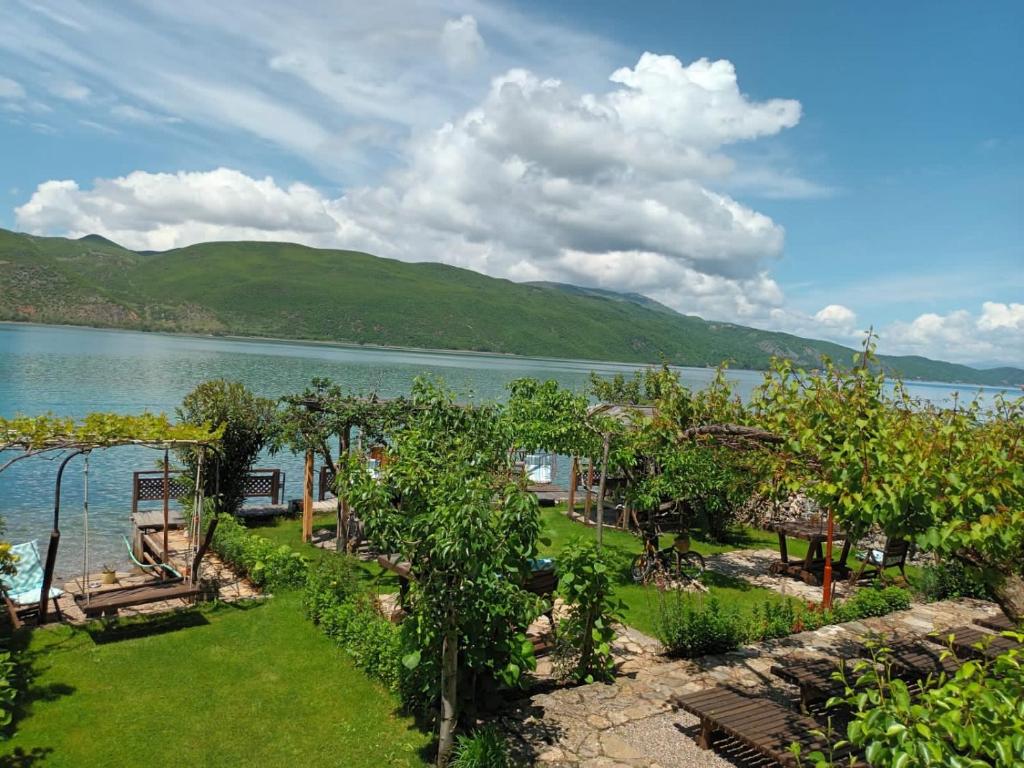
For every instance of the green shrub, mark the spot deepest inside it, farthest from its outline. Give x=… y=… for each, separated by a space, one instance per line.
x=774 y=618
x=875 y=600
x=486 y=747
x=8 y=689
x=328 y=583
x=973 y=718
x=951 y=579
x=267 y=565
x=584 y=638
x=690 y=629
x=371 y=640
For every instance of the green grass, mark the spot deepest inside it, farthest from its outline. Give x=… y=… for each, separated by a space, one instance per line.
x=642 y=602
x=252 y=684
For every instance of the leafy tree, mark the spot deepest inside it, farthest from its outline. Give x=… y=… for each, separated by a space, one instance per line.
x=860 y=445
x=448 y=502
x=246 y=422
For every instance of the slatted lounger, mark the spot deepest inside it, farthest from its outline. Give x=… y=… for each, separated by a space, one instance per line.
x=755 y=722
x=813 y=677
x=965 y=637
x=999 y=622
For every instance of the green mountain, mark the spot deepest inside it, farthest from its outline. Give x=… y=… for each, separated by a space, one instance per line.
x=292 y=291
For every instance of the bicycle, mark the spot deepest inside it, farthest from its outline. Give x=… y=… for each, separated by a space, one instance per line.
x=675 y=560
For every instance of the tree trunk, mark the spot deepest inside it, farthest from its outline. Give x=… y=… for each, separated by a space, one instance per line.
x=449 y=693
x=207 y=540
x=1009 y=593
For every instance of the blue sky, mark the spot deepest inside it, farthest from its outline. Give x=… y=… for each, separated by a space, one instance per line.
x=840 y=166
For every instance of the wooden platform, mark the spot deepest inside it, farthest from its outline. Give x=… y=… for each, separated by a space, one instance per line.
x=151 y=520
x=999 y=623
x=965 y=639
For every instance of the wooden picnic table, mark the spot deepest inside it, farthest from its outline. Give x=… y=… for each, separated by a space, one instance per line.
x=811 y=568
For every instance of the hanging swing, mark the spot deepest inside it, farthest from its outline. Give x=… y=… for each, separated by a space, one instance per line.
x=171 y=585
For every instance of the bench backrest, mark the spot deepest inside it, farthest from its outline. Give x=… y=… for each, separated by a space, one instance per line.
x=896 y=551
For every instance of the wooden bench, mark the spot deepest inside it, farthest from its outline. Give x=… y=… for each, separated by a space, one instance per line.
x=1000 y=623
x=966 y=637
x=813 y=677
x=755 y=722
x=109 y=602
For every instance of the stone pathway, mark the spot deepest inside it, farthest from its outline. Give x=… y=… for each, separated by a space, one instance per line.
x=752 y=565
x=630 y=722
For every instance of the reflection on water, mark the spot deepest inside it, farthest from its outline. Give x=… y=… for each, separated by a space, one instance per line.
x=72 y=371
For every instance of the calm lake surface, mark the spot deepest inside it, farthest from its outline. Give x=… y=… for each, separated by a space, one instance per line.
x=72 y=371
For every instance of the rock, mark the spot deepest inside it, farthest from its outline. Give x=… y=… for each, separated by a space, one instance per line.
x=618 y=748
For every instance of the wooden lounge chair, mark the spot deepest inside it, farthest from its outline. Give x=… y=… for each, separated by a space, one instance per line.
x=966 y=638
x=1000 y=623
x=813 y=677
x=23 y=588
x=874 y=562
x=755 y=722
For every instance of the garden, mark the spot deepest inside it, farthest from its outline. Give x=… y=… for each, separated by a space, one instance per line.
x=315 y=671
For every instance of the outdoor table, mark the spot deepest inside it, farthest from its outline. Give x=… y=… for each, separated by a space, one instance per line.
x=812 y=568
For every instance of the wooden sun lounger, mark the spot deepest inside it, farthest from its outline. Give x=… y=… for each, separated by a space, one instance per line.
x=813 y=677
x=913 y=659
x=108 y=603
x=755 y=722
x=965 y=638
x=999 y=623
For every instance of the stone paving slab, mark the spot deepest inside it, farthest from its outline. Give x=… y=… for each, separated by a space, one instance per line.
x=630 y=722
x=752 y=565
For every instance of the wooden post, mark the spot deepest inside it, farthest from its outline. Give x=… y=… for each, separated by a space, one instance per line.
x=341 y=535
x=590 y=482
x=826 y=597
x=167 y=500
x=600 y=490
x=307 y=499
x=573 y=480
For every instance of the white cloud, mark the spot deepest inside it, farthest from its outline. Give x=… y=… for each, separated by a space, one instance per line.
x=461 y=43
x=11 y=89
x=994 y=335
x=131 y=114
x=836 y=315
x=69 y=90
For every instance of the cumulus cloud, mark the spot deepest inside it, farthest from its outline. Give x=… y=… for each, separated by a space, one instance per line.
x=461 y=43
x=537 y=181
x=995 y=335
x=836 y=316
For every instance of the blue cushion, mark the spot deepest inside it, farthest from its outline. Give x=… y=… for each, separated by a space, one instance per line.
x=32 y=596
x=29 y=570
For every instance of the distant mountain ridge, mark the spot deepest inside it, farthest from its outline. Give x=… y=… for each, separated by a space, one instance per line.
x=295 y=292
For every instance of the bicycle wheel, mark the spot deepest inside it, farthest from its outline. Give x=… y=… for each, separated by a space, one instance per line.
x=691 y=564
x=642 y=568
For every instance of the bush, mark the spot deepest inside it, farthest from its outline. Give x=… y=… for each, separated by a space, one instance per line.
x=266 y=564
x=371 y=640
x=972 y=719
x=775 y=618
x=585 y=636
x=689 y=630
x=951 y=579
x=875 y=600
x=486 y=747
x=8 y=689
x=330 y=582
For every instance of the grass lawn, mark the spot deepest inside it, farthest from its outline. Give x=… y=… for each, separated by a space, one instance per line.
x=642 y=602
x=252 y=684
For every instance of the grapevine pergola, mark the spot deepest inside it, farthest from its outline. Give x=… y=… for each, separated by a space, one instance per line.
x=30 y=436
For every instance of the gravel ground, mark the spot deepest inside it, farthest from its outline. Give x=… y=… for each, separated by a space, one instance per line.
x=668 y=741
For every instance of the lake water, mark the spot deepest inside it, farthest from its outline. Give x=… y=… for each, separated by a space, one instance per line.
x=72 y=371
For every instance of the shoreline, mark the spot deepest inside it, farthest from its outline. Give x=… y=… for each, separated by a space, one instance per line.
x=509 y=356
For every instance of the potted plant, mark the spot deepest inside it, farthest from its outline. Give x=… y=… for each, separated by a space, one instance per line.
x=109 y=575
